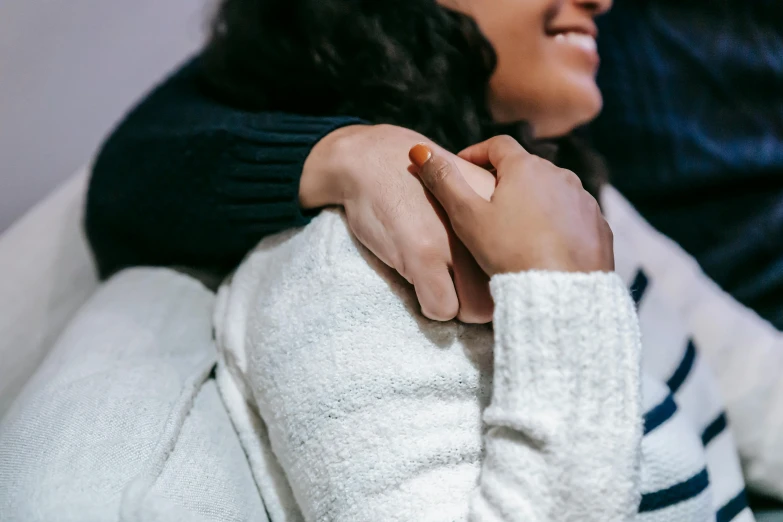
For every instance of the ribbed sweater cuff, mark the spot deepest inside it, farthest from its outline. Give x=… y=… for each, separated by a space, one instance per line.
x=267 y=156
x=565 y=343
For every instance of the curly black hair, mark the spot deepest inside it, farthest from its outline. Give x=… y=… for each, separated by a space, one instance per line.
x=411 y=63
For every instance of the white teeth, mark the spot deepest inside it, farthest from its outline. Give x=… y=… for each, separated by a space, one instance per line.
x=581 y=40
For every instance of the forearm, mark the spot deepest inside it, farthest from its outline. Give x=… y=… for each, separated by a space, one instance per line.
x=186 y=180
x=564 y=424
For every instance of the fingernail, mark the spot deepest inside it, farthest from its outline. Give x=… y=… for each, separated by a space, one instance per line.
x=420 y=154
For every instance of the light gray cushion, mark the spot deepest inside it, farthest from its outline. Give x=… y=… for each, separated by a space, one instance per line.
x=123 y=419
x=47 y=274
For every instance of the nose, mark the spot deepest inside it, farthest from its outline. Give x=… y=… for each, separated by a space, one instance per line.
x=595 y=7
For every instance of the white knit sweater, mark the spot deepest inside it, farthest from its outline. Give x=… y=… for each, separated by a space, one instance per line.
x=375 y=413
x=721 y=362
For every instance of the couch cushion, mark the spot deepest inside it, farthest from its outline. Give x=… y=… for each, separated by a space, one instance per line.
x=46 y=274
x=123 y=419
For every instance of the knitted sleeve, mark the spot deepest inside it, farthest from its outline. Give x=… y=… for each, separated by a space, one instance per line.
x=375 y=413
x=188 y=180
x=564 y=430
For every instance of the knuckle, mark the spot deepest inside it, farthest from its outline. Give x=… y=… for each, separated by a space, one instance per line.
x=571 y=178
x=534 y=163
x=440 y=171
x=521 y=158
x=589 y=203
x=426 y=249
x=519 y=163
x=505 y=139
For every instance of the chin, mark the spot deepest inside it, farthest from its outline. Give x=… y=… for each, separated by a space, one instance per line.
x=593 y=106
x=581 y=111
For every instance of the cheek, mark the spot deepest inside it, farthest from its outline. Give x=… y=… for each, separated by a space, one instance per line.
x=533 y=82
x=535 y=78
x=521 y=69
x=572 y=91
x=515 y=28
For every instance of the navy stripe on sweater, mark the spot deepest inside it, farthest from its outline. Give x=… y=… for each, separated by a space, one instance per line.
x=659 y=414
x=732 y=508
x=639 y=286
x=675 y=494
x=715 y=428
x=686 y=365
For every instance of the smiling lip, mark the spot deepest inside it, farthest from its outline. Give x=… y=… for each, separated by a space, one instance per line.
x=584 y=41
x=589 y=29
x=580 y=38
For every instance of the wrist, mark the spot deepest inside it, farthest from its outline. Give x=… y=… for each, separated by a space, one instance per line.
x=326 y=174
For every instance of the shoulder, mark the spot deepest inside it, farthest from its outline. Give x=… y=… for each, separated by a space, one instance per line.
x=320 y=267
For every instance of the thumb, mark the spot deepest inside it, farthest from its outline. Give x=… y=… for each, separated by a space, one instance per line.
x=444 y=180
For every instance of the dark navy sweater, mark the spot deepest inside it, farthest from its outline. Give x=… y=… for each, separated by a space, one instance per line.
x=692 y=130
x=186 y=180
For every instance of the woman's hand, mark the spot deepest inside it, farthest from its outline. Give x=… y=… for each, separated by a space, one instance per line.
x=539 y=218
x=364 y=169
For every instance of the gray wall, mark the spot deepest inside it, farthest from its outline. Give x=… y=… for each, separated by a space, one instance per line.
x=69 y=69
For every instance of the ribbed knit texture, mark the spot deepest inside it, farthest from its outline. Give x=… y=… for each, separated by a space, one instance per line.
x=375 y=413
x=188 y=180
x=692 y=129
x=563 y=439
